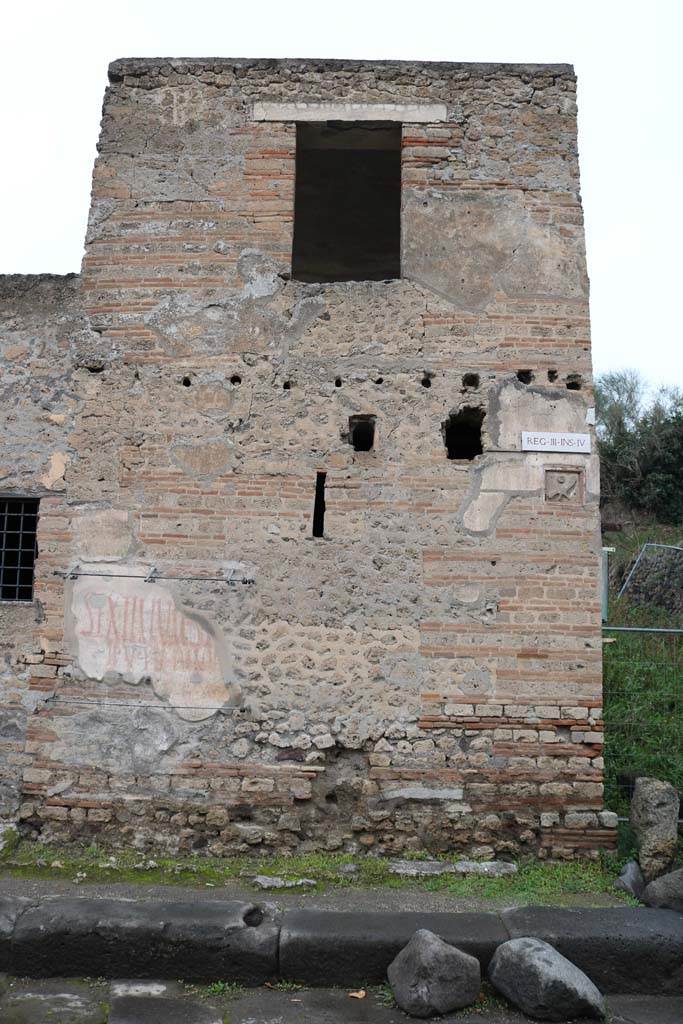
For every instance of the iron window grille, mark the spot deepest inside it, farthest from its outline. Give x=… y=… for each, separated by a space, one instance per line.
x=18 y=548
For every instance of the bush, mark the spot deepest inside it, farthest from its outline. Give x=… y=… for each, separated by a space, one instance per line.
x=641 y=446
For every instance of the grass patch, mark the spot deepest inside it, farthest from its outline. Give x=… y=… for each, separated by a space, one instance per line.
x=534 y=882
x=226 y=989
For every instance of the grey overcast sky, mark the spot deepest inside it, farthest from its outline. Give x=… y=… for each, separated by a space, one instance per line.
x=53 y=71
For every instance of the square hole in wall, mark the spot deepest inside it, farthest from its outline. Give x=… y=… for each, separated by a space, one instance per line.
x=362 y=432
x=347 y=203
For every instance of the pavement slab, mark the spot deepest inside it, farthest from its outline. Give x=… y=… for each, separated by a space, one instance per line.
x=53 y=1002
x=59 y=1001
x=646 y=1009
x=160 y=1010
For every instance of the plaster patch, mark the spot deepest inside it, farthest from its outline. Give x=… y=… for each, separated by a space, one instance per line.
x=472 y=245
x=53 y=478
x=128 y=628
x=208 y=459
x=517 y=407
x=103 y=533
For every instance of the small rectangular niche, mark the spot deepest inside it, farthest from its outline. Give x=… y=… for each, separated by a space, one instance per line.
x=347 y=202
x=319 y=505
x=362 y=432
x=462 y=433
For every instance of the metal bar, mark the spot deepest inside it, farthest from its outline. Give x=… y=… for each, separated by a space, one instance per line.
x=67 y=573
x=635 y=566
x=158 y=707
x=641 y=629
x=604 y=583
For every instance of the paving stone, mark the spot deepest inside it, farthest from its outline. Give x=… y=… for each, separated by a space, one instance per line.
x=646 y=1009
x=52 y=1002
x=425 y=868
x=621 y=949
x=275 y=882
x=348 y=948
x=148 y=939
x=146 y=1010
x=144 y=988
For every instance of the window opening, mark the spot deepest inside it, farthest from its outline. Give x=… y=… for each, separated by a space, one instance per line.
x=18 y=549
x=462 y=433
x=362 y=432
x=470 y=380
x=574 y=381
x=525 y=376
x=552 y=376
x=347 y=201
x=319 y=505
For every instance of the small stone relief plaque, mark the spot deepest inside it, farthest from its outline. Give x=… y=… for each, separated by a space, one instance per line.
x=562 y=485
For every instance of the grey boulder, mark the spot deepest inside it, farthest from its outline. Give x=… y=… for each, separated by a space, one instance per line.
x=654 y=818
x=430 y=977
x=666 y=891
x=543 y=983
x=631 y=879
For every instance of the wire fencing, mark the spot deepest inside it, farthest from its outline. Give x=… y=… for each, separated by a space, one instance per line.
x=643 y=709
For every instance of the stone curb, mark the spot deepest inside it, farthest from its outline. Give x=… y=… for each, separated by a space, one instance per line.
x=622 y=949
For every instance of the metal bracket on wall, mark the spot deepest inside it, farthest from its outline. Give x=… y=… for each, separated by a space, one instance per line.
x=152 y=576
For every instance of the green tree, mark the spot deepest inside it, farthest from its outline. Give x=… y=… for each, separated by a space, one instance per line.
x=641 y=445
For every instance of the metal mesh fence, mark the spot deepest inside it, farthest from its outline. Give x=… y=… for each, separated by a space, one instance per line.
x=643 y=709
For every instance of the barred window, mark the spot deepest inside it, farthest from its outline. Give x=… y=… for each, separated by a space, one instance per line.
x=18 y=521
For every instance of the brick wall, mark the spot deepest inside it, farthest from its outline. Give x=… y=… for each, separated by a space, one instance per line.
x=427 y=674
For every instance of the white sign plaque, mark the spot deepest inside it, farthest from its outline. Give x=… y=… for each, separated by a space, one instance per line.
x=555 y=441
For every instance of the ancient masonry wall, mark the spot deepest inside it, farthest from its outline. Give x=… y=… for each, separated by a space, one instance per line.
x=428 y=673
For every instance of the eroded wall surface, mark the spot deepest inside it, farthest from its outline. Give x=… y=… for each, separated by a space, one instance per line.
x=213 y=677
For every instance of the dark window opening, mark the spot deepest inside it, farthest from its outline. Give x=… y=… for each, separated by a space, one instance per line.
x=552 y=376
x=347 y=202
x=362 y=432
x=462 y=433
x=319 y=505
x=186 y=382
x=18 y=549
x=337 y=382
x=236 y=380
x=525 y=376
x=470 y=380
x=574 y=381
x=287 y=385
x=426 y=381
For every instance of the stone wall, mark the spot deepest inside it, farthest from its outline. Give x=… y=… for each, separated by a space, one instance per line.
x=428 y=673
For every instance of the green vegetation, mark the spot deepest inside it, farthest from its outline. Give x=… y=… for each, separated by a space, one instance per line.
x=536 y=881
x=642 y=680
x=641 y=465
x=643 y=701
x=641 y=445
